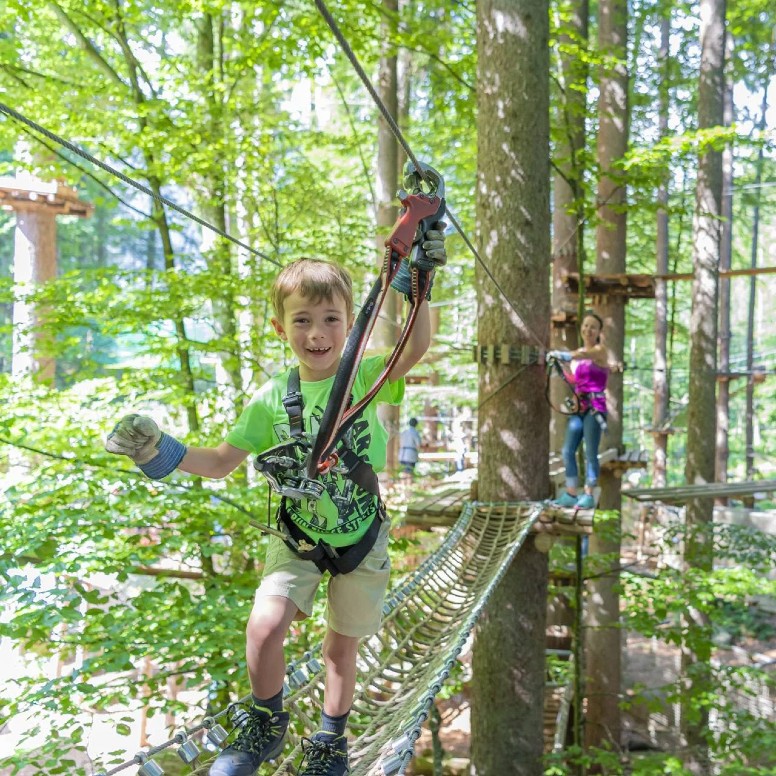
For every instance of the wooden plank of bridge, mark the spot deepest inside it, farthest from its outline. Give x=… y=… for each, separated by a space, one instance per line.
x=443 y=506
x=683 y=493
x=450 y=504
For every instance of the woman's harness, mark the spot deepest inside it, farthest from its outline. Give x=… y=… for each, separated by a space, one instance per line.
x=575 y=402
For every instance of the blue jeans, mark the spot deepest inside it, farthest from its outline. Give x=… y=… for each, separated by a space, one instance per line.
x=582 y=427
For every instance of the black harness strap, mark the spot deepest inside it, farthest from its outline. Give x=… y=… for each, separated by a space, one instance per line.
x=335 y=560
x=294 y=404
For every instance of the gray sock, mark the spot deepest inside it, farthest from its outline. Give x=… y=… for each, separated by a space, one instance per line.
x=273 y=704
x=335 y=725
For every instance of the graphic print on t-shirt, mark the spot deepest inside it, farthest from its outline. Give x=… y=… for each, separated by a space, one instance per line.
x=347 y=505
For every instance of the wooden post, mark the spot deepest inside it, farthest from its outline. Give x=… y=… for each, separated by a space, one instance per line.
x=36 y=205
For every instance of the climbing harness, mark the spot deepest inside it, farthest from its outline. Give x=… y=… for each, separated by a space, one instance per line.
x=293 y=467
x=291 y=485
x=574 y=403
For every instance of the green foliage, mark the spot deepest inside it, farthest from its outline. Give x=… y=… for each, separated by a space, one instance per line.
x=102 y=569
x=210 y=105
x=657 y=607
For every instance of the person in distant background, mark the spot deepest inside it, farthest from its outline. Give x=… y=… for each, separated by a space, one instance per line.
x=459 y=446
x=590 y=372
x=409 y=447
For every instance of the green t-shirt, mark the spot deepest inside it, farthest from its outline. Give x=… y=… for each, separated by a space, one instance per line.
x=344 y=512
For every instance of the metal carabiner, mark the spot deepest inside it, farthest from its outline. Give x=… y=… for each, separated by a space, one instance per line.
x=415 y=177
x=420 y=209
x=284 y=468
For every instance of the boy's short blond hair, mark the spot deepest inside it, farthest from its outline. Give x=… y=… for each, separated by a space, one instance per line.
x=314 y=279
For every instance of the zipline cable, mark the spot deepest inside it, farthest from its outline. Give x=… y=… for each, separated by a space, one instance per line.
x=136 y=184
x=394 y=127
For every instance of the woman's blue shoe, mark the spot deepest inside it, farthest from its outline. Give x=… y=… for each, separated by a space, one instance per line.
x=567 y=501
x=585 y=501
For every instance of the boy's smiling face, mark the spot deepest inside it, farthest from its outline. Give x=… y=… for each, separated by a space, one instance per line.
x=316 y=332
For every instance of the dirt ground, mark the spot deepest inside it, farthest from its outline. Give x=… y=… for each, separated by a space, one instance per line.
x=647 y=663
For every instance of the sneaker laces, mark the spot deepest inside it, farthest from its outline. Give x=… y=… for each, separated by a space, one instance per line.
x=256 y=732
x=319 y=755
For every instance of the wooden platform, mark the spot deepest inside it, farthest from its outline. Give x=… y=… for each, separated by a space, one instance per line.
x=443 y=506
x=556 y=520
x=683 y=493
x=630 y=286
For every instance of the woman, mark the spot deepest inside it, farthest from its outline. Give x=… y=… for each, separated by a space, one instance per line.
x=589 y=373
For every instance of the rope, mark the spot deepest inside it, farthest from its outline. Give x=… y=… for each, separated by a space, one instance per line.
x=428 y=619
x=394 y=127
x=121 y=176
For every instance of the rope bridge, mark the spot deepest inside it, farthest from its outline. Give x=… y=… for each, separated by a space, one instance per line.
x=427 y=620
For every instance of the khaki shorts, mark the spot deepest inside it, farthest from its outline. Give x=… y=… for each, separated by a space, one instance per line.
x=354 y=601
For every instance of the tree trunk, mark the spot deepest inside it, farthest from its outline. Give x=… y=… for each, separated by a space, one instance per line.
x=701 y=417
x=660 y=377
x=568 y=198
x=725 y=262
x=602 y=637
x=513 y=227
x=387 y=327
x=213 y=202
x=750 y=467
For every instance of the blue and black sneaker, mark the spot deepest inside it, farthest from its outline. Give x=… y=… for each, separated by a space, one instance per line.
x=585 y=501
x=566 y=500
x=325 y=754
x=260 y=738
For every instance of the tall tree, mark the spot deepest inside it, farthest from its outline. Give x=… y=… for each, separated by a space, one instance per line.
x=602 y=635
x=513 y=237
x=755 y=244
x=660 y=379
x=701 y=418
x=725 y=262
x=568 y=212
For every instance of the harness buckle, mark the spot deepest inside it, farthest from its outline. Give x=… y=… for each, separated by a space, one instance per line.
x=293 y=400
x=281 y=465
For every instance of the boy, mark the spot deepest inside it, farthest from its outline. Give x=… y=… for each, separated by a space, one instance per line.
x=313 y=306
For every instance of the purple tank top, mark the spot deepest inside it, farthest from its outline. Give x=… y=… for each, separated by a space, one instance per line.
x=591 y=378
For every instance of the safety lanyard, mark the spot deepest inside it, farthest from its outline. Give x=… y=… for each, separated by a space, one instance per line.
x=572 y=404
x=420 y=211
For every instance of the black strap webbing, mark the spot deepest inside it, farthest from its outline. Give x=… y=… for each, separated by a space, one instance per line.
x=294 y=404
x=340 y=560
x=335 y=560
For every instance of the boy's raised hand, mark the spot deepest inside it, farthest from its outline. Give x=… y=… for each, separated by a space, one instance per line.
x=434 y=245
x=136 y=436
x=434 y=256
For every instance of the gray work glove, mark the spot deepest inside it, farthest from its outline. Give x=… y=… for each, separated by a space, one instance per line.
x=136 y=436
x=433 y=243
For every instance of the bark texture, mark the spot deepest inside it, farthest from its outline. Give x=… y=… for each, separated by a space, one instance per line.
x=602 y=626
x=701 y=418
x=513 y=236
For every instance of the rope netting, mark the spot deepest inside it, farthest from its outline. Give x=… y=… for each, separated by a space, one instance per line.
x=427 y=620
